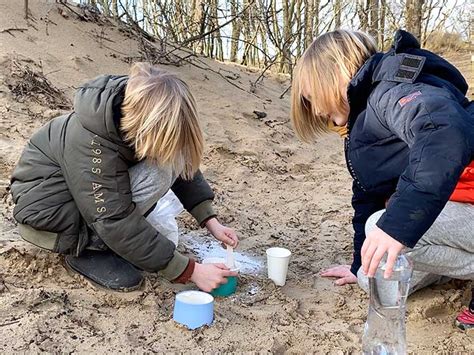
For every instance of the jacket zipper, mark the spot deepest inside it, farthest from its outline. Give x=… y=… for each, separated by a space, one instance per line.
x=346 y=153
x=349 y=164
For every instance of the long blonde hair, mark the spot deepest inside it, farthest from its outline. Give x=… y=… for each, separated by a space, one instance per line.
x=327 y=67
x=160 y=119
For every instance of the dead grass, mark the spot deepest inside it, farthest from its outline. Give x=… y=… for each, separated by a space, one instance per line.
x=27 y=81
x=446 y=42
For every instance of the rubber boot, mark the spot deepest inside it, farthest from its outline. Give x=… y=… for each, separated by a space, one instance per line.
x=106 y=270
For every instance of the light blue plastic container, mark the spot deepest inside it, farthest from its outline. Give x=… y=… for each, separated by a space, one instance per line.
x=193 y=309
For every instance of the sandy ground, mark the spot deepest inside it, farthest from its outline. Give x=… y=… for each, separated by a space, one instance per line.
x=274 y=190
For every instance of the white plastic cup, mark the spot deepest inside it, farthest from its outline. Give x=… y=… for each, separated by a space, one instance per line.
x=277 y=265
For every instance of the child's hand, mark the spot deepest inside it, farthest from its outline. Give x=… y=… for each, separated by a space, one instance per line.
x=376 y=244
x=342 y=272
x=224 y=234
x=209 y=276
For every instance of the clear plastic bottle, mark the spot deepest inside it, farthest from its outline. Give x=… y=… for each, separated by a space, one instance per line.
x=385 y=332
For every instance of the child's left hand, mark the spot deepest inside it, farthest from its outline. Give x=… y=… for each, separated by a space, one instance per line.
x=224 y=234
x=376 y=244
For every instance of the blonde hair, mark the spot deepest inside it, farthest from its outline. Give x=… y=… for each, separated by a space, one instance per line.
x=327 y=65
x=160 y=119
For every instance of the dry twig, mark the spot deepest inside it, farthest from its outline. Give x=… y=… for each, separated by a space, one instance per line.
x=284 y=92
x=10 y=30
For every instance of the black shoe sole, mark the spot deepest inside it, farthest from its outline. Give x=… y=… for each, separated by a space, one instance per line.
x=73 y=271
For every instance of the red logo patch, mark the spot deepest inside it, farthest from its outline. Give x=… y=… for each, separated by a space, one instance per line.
x=404 y=100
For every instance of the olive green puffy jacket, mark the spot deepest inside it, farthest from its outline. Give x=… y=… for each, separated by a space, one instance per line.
x=72 y=179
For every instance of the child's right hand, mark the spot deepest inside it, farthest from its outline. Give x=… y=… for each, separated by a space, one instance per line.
x=209 y=276
x=343 y=274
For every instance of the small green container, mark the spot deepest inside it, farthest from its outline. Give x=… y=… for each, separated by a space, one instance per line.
x=228 y=288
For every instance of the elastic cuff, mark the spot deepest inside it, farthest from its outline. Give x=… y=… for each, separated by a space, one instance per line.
x=203 y=211
x=203 y=224
x=186 y=275
x=386 y=224
x=175 y=267
x=355 y=268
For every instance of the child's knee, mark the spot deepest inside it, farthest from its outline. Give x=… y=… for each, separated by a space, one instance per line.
x=43 y=239
x=372 y=220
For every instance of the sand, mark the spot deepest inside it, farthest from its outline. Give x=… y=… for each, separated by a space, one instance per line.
x=274 y=190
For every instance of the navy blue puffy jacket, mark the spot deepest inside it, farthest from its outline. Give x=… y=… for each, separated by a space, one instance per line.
x=411 y=134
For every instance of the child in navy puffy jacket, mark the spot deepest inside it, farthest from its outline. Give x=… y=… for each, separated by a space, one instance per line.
x=409 y=140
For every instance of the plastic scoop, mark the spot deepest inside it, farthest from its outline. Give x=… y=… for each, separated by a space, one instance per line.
x=230 y=263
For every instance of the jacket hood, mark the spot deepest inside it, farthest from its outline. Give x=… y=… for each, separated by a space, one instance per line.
x=426 y=67
x=97 y=104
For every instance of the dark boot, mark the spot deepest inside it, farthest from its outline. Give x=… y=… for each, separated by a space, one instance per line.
x=105 y=269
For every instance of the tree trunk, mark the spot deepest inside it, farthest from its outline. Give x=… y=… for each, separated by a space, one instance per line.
x=383 y=11
x=247 y=32
x=308 y=22
x=115 y=9
x=199 y=22
x=179 y=20
x=317 y=20
x=236 y=29
x=374 y=18
x=153 y=13
x=261 y=29
x=300 y=28
x=105 y=7
x=288 y=12
x=147 y=17
x=217 y=34
x=253 y=15
x=286 y=35
x=413 y=17
x=337 y=13
x=250 y=31
x=363 y=15
x=264 y=44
